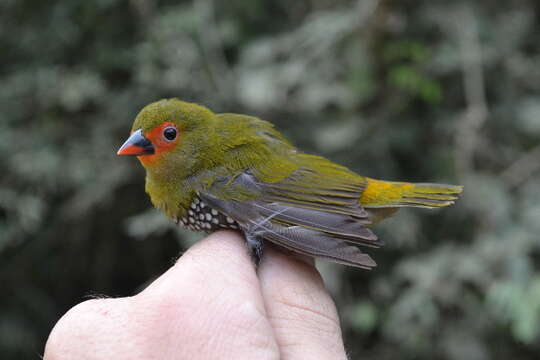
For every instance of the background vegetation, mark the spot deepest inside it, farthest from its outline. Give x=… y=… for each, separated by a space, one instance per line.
x=424 y=90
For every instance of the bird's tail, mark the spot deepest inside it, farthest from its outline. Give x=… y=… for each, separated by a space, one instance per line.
x=392 y=194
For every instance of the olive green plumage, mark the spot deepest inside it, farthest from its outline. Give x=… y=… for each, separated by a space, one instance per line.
x=242 y=167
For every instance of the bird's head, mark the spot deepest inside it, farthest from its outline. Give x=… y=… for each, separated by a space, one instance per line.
x=169 y=133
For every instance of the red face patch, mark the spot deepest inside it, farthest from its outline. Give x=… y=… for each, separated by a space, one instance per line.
x=164 y=138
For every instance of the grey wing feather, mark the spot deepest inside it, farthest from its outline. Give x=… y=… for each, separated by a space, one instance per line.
x=342 y=226
x=307 y=231
x=317 y=244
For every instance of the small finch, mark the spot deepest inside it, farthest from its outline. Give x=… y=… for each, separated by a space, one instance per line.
x=212 y=171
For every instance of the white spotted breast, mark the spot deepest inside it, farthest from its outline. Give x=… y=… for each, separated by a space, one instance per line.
x=201 y=217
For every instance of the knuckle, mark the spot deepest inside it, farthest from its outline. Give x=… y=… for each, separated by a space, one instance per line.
x=73 y=328
x=310 y=309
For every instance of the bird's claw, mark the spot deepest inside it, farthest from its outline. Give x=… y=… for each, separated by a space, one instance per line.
x=255 y=244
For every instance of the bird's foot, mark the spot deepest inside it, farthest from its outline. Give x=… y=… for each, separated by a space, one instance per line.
x=255 y=244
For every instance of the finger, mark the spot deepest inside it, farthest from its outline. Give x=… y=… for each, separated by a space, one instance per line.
x=90 y=330
x=214 y=293
x=301 y=311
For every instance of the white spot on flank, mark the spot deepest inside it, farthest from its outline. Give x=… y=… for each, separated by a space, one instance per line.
x=214 y=212
x=230 y=220
x=208 y=217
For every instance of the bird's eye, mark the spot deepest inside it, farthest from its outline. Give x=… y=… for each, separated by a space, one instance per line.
x=169 y=133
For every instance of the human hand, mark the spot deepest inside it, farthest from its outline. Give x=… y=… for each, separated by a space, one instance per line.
x=211 y=304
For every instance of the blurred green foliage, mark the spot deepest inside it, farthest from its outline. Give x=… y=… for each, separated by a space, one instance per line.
x=405 y=90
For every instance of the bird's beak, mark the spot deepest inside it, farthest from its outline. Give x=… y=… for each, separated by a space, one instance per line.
x=137 y=145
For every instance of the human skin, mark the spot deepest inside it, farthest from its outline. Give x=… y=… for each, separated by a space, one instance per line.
x=212 y=304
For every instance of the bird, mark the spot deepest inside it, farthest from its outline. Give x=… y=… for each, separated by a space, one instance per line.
x=210 y=171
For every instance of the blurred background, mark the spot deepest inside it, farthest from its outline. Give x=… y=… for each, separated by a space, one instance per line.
x=424 y=90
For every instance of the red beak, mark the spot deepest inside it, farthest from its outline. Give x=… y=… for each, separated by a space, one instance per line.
x=136 y=145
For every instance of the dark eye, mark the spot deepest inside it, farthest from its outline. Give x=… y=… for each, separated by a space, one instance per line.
x=169 y=133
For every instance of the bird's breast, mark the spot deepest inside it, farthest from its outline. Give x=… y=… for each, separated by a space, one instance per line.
x=201 y=217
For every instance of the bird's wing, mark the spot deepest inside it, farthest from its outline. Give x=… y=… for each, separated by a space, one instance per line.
x=318 y=244
x=317 y=223
x=300 y=239
x=316 y=183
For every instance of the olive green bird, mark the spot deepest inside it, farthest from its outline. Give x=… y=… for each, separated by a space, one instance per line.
x=212 y=171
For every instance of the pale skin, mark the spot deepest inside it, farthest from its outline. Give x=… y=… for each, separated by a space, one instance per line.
x=212 y=304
